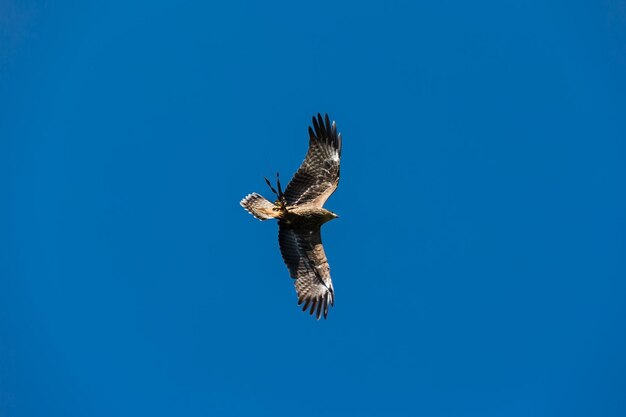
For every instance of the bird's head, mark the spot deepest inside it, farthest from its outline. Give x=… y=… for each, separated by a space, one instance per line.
x=329 y=215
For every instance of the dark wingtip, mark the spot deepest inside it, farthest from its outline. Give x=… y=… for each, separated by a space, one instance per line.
x=316 y=127
x=320 y=303
x=325 y=131
x=317 y=306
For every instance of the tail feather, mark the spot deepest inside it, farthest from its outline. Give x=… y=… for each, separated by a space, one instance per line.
x=259 y=206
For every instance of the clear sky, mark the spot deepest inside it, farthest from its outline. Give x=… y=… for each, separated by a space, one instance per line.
x=479 y=260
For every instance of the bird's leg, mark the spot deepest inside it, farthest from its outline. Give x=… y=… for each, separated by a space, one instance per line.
x=281 y=196
x=269 y=184
x=281 y=201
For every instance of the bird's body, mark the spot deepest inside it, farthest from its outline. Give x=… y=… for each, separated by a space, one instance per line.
x=300 y=214
x=305 y=216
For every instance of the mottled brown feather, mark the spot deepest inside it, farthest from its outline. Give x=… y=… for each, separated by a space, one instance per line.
x=300 y=221
x=318 y=175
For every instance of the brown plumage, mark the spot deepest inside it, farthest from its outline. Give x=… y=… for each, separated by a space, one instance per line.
x=300 y=215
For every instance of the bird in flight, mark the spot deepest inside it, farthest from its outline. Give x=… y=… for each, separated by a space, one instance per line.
x=300 y=214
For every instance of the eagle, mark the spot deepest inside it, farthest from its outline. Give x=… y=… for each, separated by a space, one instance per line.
x=300 y=214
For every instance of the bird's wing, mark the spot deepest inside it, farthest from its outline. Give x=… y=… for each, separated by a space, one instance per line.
x=304 y=255
x=318 y=176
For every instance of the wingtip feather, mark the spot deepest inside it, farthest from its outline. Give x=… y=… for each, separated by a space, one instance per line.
x=325 y=131
x=319 y=307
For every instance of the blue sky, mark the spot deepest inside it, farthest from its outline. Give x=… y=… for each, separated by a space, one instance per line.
x=478 y=261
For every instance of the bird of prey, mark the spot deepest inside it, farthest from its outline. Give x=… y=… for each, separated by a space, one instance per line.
x=300 y=214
